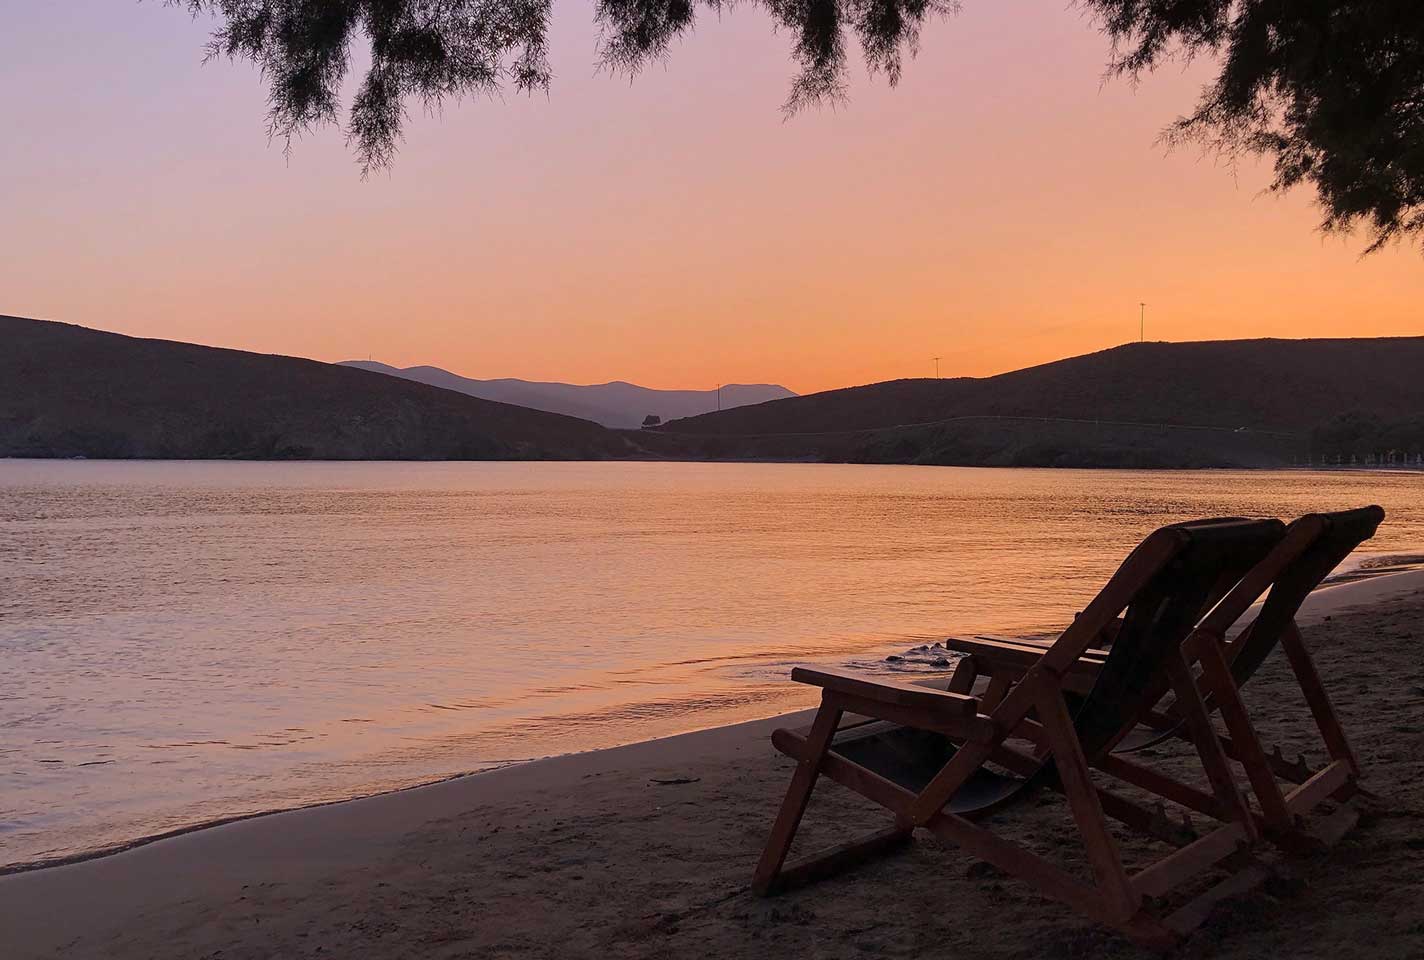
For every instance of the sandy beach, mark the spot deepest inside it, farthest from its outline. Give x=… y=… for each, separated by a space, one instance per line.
x=647 y=850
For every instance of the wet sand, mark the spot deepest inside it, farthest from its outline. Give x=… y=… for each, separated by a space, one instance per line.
x=591 y=855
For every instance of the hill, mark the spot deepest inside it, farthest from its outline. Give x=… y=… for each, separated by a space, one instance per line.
x=1287 y=385
x=1211 y=403
x=68 y=391
x=615 y=404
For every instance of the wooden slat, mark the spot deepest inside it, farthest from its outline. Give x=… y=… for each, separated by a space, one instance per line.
x=1030 y=730
x=1022 y=863
x=841 y=857
x=887 y=691
x=943 y=785
x=1006 y=716
x=994 y=655
x=790 y=742
x=1161 y=784
x=1304 y=797
x=1041 y=644
x=1194 y=914
x=849 y=721
x=974 y=839
x=1248 y=749
x=798 y=794
x=1320 y=706
x=867 y=783
x=1020 y=657
x=1143 y=820
x=1218 y=769
x=1019 y=762
x=974 y=727
x=965 y=673
x=1167 y=873
x=1292 y=771
x=1086 y=808
x=1120 y=808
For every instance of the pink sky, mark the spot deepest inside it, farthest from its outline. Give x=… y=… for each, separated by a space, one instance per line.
x=1002 y=207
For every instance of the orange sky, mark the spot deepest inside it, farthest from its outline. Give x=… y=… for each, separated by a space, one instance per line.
x=1002 y=207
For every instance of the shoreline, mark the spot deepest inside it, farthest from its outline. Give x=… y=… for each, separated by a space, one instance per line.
x=294 y=842
x=777 y=461
x=520 y=861
x=361 y=841
x=1356 y=586
x=802 y=461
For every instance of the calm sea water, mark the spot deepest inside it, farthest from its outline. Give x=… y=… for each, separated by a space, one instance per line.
x=183 y=642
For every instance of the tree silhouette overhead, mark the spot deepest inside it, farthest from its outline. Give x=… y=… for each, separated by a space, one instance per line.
x=1331 y=92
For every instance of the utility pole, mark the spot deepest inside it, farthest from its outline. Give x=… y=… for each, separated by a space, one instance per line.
x=719 y=398
x=1141 y=323
x=936 y=360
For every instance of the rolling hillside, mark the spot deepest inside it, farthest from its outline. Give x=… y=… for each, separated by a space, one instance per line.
x=615 y=404
x=68 y=391
x=1268 y=385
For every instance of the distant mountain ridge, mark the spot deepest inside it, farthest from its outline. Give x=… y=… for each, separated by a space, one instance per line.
x=68 y=391
x=616 y=404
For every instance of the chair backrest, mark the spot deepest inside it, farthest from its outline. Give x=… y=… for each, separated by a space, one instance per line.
x=1314 y=546
x=1203 y=556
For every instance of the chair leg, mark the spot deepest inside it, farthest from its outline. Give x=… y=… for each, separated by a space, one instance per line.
x=1320 y=706
x=1208 y=745
x=798 y=794
x=840 y=858
x=1122 y=901
x=1248 y=747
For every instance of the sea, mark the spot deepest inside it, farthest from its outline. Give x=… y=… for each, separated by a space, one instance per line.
x=183 y=643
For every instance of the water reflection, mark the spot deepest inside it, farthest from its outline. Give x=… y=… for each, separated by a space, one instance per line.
x=191 y=641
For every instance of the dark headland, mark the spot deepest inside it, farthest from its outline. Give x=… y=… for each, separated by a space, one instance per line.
x=69 y=391
x=1254 y=403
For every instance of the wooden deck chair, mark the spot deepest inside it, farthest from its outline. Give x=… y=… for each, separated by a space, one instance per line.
x=927 y=760
x=1312 y=547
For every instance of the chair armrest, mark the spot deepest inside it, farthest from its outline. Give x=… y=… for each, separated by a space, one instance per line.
x=1017 y=655
x=1037 y=645
x=893 y=692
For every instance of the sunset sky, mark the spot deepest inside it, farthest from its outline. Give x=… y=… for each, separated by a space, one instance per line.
x=1003 y=206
